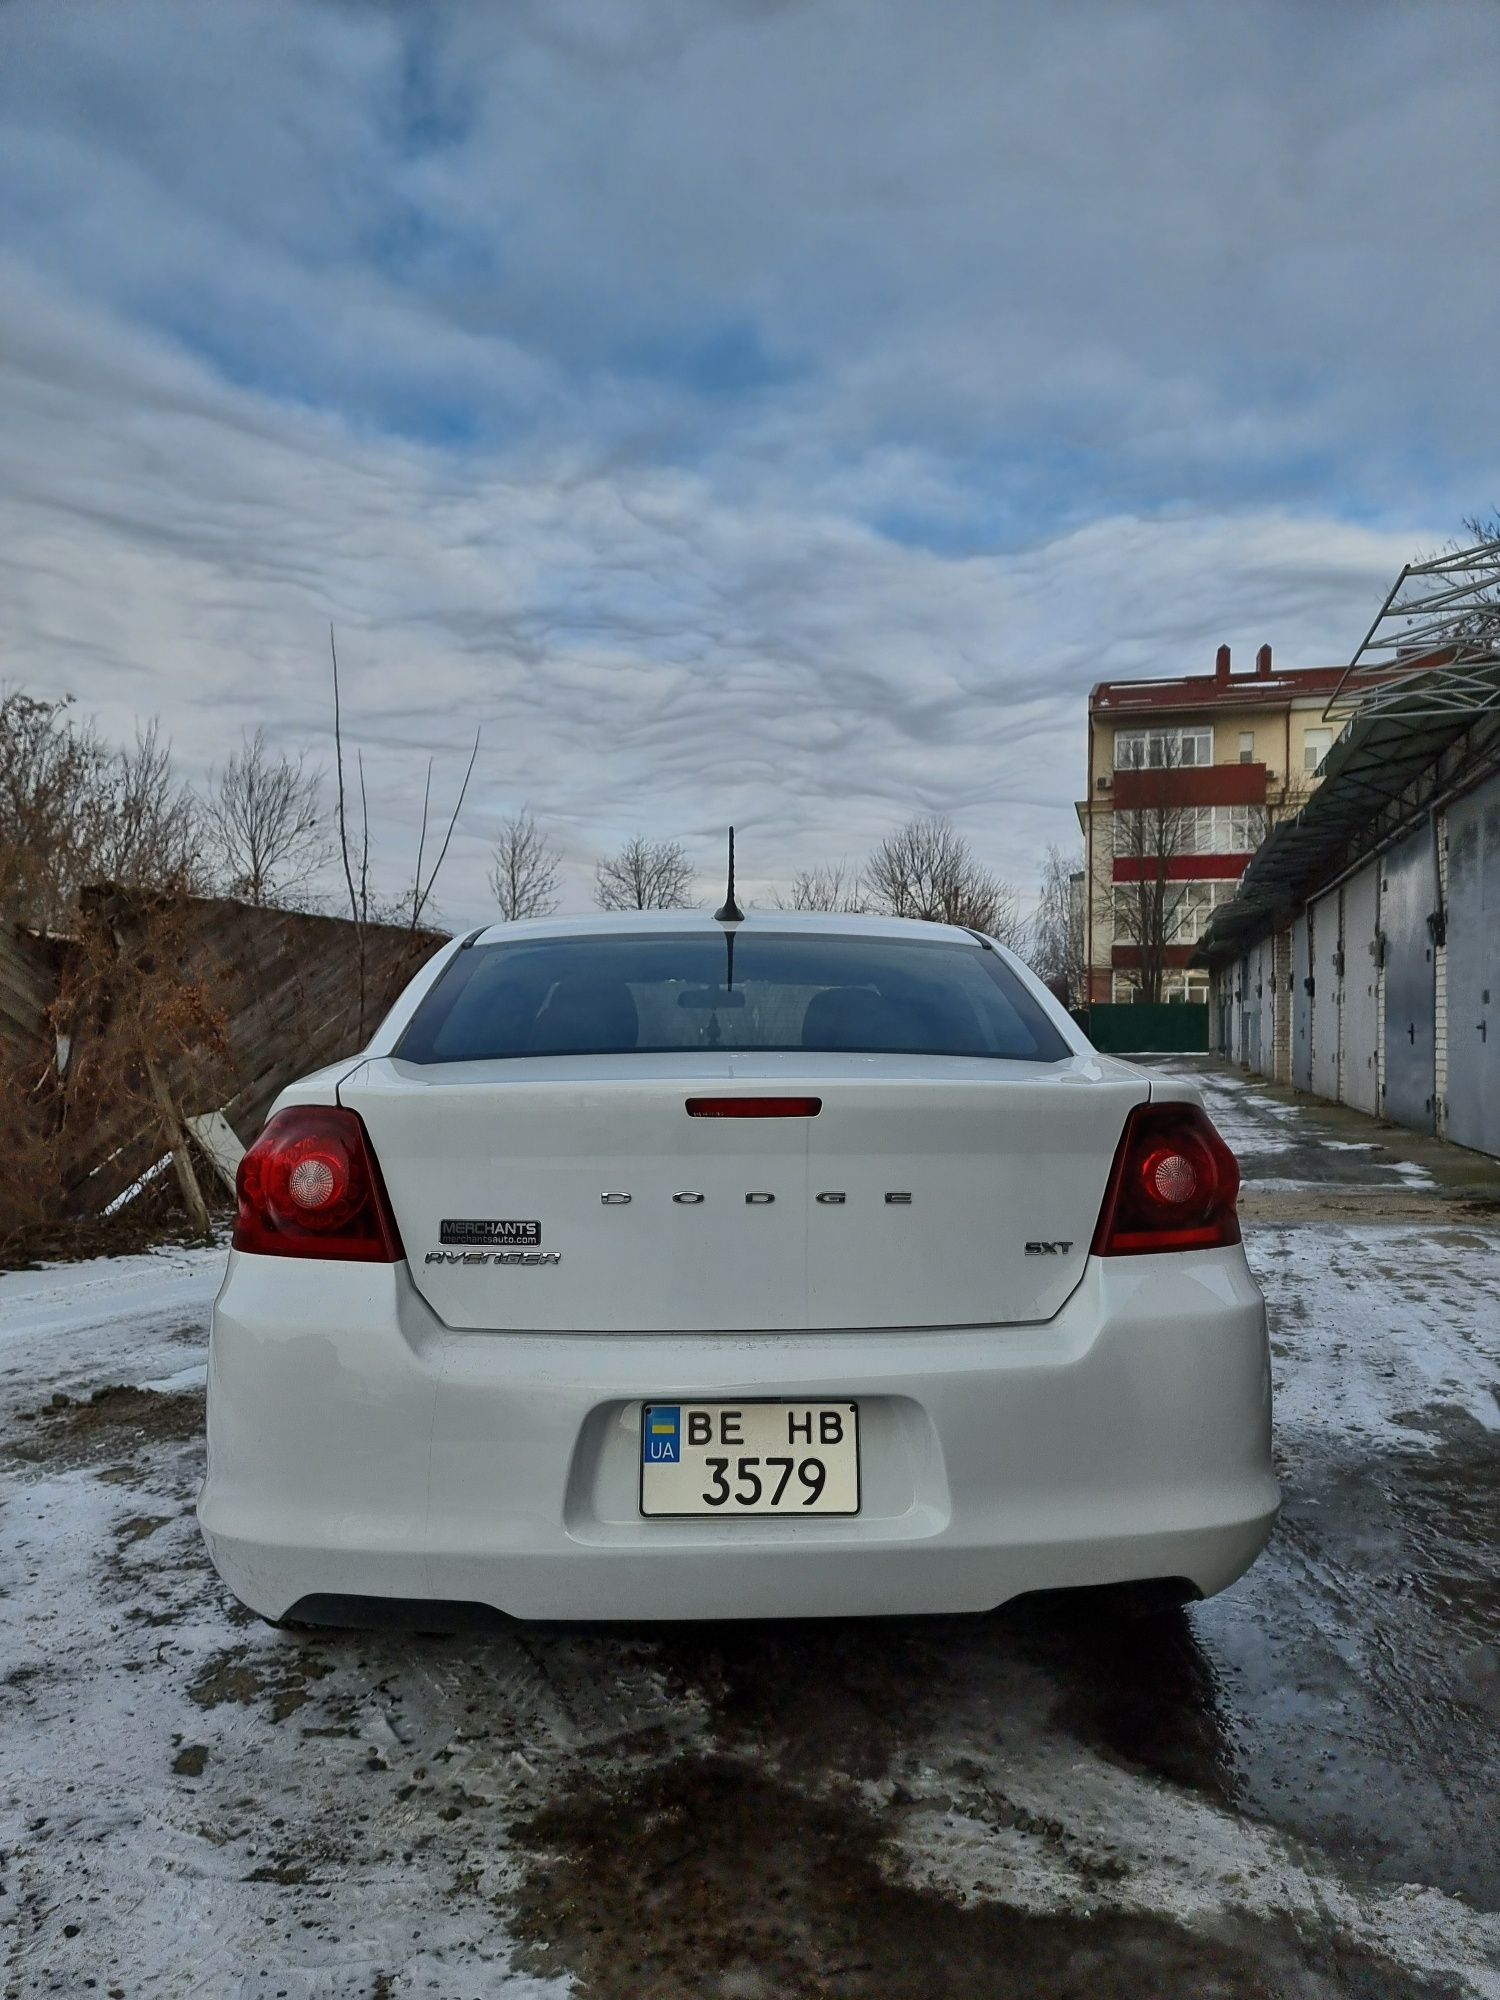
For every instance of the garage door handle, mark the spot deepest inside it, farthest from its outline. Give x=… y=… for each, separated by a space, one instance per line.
x=1411 y=1034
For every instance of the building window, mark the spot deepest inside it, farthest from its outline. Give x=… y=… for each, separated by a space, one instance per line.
x=1162 y=749
x=1246 y=829
x=1316 y=744
x=1153 y=831
x=1247 y=746
x=1192 y=911
x=1185 y=910
x=1175 y=987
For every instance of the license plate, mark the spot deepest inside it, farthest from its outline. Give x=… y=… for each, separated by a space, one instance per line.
x=750 y=1458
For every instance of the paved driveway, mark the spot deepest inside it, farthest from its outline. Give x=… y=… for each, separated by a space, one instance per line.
x=1287 y=1791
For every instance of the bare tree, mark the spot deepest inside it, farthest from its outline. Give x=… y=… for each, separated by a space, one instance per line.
x=644 y=875
x=359 y=896
x=524 y=874
x=1153 y=907
x=409 y=907
x=149 y=826
x=264 y=819
x=52 y=769
x=420 y=890
x=149 y=831
x=141 y=1012
x=1057 y=929
x=73 y=811
x=837 y=887
x=926 y=869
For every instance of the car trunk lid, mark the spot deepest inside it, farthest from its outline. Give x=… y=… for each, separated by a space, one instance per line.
x=926 y=1191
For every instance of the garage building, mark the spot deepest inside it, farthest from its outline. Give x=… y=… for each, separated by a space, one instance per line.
x=1360 y=956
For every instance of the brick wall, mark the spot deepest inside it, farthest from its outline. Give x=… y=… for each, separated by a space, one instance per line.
x=1281 y=1038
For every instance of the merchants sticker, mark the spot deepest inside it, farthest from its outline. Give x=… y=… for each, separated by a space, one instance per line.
x=509 y=1235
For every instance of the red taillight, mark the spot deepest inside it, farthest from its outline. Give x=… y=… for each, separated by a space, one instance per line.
x=1172 y=1187
x=754 y=1107
x=310 y=1187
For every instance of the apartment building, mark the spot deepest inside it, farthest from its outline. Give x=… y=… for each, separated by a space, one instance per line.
x=1185 y=779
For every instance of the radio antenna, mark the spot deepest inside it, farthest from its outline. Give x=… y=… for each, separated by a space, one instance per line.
x=730 y=912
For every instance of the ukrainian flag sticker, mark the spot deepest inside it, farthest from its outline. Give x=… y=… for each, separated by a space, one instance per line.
x=661 y=1434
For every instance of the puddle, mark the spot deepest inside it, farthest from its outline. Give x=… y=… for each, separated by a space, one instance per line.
x=709 y=1880
x=1360 y=1666
x=1140 y=1690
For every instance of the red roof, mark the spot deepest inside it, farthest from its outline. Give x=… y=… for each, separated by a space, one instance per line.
x=1208 y=691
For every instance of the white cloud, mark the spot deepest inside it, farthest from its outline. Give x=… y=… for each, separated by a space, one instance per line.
x=778 y=413
x=638 y=651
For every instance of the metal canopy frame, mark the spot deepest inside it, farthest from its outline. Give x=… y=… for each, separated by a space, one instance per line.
x=1433 y=643
x=1385 y=773
x=1420 y=705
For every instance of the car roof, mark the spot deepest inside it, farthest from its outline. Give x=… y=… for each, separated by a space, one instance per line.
x=660 y=923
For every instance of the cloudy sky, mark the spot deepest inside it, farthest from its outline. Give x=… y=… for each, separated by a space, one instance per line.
x=777 y=411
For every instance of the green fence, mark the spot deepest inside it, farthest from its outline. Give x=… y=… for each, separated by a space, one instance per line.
x=1140 y=1029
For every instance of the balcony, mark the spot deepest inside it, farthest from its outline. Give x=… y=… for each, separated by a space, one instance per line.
x=1182 y=867
x=1190 y=785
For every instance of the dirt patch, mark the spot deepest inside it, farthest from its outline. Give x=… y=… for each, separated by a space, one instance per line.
x=231 y=1677
x=64 y=1433
x=810 y=1697
x=1279 y=1206
x=139 y=1527
x=833 y=1700
x=190 y=1760
x=237 y=1677
x=151 y=1222
x=122 y=1475
x=708 y=1878
x=288 y=1874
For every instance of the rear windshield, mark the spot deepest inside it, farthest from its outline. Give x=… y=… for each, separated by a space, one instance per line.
x=586 y=996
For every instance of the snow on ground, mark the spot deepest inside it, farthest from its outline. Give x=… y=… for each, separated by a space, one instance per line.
x=1378 y=1324
x=82 y=1316
x=129 y=1870
x=144 y=1826
x=1286 y=1791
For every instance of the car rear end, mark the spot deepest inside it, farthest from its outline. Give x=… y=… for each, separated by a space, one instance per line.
x=729 y=1325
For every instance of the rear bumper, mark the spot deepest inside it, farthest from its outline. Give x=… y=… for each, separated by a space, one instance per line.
x=357 y=1447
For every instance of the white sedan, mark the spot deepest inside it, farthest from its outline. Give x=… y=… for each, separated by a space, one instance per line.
x=667 y=1267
